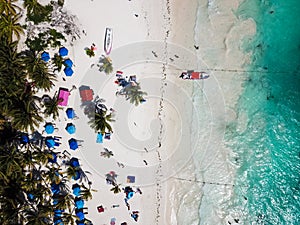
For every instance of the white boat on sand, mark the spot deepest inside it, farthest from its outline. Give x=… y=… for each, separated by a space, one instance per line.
x=108 y=40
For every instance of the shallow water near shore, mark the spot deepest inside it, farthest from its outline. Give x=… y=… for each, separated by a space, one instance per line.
x=267 y=141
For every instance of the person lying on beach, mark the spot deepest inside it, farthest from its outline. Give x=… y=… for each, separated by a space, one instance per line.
x=135 y=215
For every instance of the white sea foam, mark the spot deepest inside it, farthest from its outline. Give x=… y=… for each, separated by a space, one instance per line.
x=207 y=188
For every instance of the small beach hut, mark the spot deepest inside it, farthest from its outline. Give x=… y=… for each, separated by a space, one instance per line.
x=70 y=128
x=63 y=51
x=45 y=56
x=70 y=113
x=63 y=95
x=68 y=71
x=68 y=63
x=86 y=95
x=73 y=144
x=100 y=209
x=49 y=128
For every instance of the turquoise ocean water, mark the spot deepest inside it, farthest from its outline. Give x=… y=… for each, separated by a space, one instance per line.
x=267 y=148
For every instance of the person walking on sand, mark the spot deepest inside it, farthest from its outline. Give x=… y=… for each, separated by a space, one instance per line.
x=145 y=162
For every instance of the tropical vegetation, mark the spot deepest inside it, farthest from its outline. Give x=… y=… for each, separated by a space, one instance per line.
x=100 y=118
x=34 y=184
x=105 y=64
x=133 y=93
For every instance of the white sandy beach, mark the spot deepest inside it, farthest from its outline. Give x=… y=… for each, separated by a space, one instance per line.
x=181 y=124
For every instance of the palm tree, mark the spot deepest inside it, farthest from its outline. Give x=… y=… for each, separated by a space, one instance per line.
x=86 y=193
x=68 y=218
x=37 y=12
x=105 y=64
x=8 y=7
x=51 y=105
x=134 y=94
x=25 y=116
x=100 y=122
x=58 y=62
x=107 y=153
x=38 y=71
x=64 y=200
x=9 y=26
x=116 y=189
x=40 y=215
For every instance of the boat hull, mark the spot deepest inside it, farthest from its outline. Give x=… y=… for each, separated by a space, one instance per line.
x=108 y=40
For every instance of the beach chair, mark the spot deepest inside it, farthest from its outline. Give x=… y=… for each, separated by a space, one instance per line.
x=130 y=179
x=99 y=138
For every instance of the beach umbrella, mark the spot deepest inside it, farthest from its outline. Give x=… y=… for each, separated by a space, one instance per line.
x=63 y=51
x=30 y=196
x=45 y=56
x=80 y=222
x=70 y=128
x=77 y=175
x=58 y=212
x=130 y=195
x=49 y=128
x=55 y=188
x=58 y=221
x=74 y=162
x=68 y=63
x=80 y=215
x=68 y=71
x=53 y=159
x=24 y=139
x=49 y=141
x=73 y=144
x=70 y=113
x=79 y=203
x=76 y=190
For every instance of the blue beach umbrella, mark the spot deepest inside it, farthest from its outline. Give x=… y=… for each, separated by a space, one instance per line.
x=74 y=162
x=63 y=51
x=130 y=195
x=79 y=203
x=24 y=139
x=77 y=175
x=58 y=222
x=53 y=158
x=70 y=113
x=73 y=144
x=58 y=212
x=30 y=197
x=70 y=128
x=49 y=141
x=80 y=215
x=55 y=188
x=49 y=128
x=68 y=71
x=45 y=56
x=68 y=63
x=76 y=190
